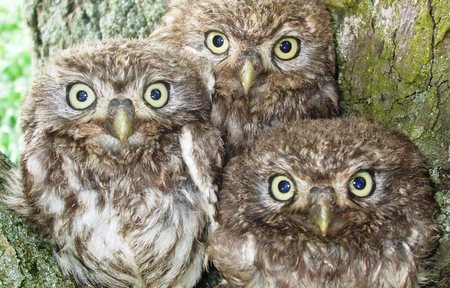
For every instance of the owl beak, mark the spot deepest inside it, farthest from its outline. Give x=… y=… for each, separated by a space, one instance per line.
x=321 y=215
x=247 y=75
x=122 y=124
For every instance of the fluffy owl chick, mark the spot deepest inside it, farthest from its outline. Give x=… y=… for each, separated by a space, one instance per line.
x=273 y=60
x=119 y=163
x=326 y=203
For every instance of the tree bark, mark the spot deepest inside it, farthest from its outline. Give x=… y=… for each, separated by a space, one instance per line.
x=393 y=66
x=58 y=24
x=25 y=258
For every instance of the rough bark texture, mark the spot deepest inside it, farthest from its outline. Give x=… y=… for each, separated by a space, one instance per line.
x=394 y=66
x=57 y=24
x=393 y=63
x=25 y=258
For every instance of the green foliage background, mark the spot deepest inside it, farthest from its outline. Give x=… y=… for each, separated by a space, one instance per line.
x=15 y=72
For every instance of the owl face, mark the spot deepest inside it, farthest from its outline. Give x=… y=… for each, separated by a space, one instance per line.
x=258 y=43
x=115 y=99
x=344 y=181
x=120 y=162
x=273 y=60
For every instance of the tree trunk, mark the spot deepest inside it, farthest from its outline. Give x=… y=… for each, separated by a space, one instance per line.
x=393 y=66
x=57 y=24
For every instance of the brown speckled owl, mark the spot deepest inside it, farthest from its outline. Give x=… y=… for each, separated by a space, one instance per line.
x=119 y=163
x=273 y=60
x=326 y=203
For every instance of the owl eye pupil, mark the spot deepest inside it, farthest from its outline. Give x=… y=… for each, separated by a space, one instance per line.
x=285 y=46
x=284 y=186
x=82 y=96
x=155 y=94
x=359 y=183
x=218 y=41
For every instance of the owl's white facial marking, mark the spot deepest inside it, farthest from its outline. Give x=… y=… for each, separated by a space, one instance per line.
x=109 y=142
x=115 y=145
x=136 y=140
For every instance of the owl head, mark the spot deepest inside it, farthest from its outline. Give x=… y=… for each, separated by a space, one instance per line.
x=114 y=100
x=273 y=60
x=349 y=182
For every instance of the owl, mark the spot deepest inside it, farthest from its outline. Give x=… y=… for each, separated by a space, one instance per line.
x=273 y=61
x=120 y=162
x=326 y=203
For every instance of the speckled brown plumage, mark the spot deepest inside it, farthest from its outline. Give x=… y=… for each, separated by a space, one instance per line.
x=123 y=183
x=319 y=233
x=282 y=90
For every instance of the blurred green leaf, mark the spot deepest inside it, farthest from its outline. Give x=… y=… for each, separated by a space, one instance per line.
x=15 y=71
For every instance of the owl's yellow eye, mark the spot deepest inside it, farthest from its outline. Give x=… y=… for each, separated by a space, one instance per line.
x=361 y=184
x=80 y=96
x=217 y=42
x=287 y=48
x=157 y=94
x=281 y=188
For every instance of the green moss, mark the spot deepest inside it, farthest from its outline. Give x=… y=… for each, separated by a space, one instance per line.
x=387 y=70
x=88 y=20
x=10 y=275
x=414 y=60
x=440 y=10
x=444 y=203
x=32 y=264
x=394 y=67
x=341 y=4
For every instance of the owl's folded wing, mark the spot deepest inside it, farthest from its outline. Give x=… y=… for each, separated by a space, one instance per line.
x=202 y=150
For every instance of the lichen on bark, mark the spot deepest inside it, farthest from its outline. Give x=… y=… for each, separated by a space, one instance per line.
x=25 y=258
x=388 y=70
x=393 y=66
x=59 y=24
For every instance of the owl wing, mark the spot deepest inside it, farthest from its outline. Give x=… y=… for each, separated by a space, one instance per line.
x=234 y=256
x=13 y=196
x=202 y=151
x=325 y=103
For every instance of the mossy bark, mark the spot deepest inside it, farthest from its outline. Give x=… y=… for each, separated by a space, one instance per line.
x=25 y=258
x=393 y=66
x=57 y=24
